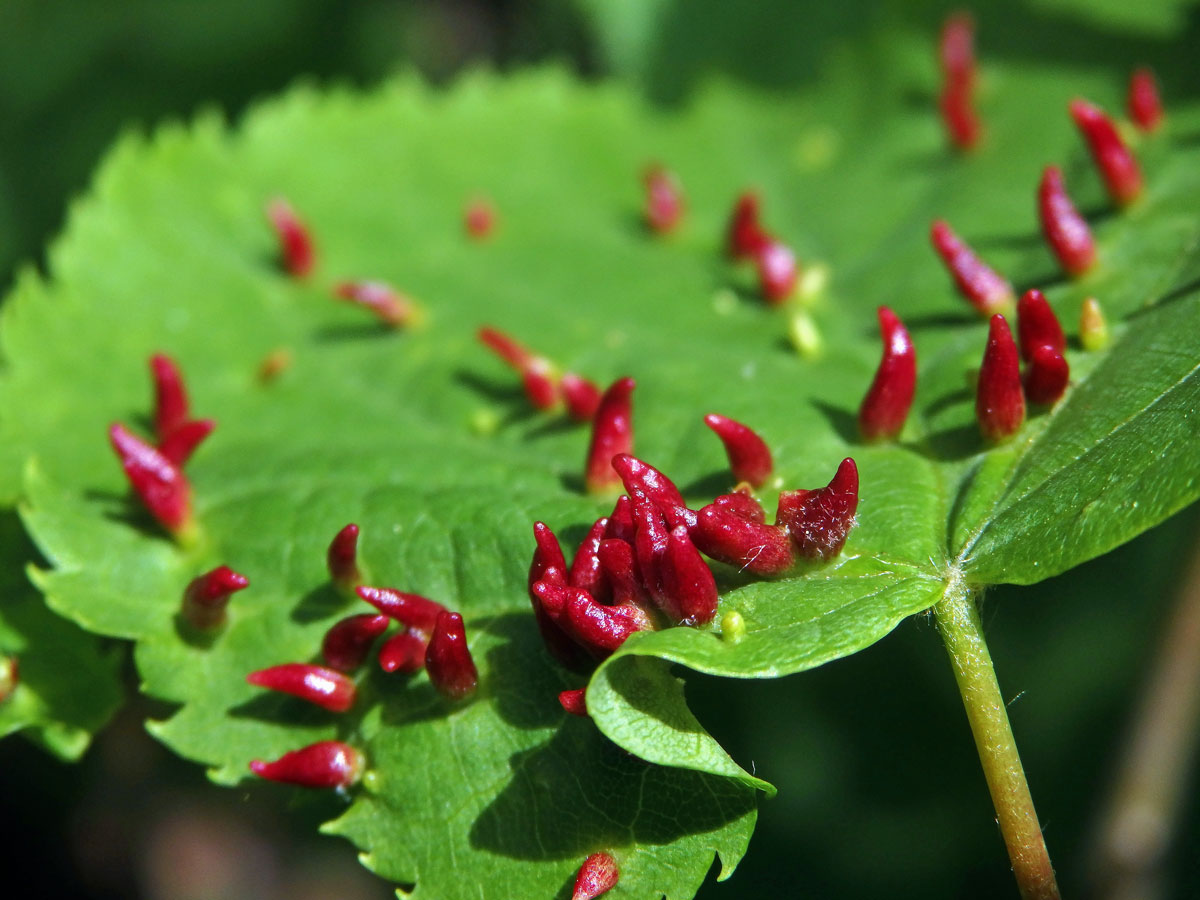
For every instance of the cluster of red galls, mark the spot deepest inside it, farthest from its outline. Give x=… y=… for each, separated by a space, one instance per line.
x=960 y=76
x=430 y=636
x=1002 y=390
x=640 y=568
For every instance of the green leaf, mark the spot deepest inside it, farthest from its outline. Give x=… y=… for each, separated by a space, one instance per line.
x=424 y=440
x=69 y=684
x=670 y=47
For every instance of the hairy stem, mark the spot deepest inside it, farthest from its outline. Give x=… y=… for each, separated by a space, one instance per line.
x=1141 y=814
x=962 y=632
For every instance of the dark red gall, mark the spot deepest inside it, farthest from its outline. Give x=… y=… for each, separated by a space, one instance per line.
x=650 y=539
x=547 y=553
x=1118 y=168
x=959 y=119
x=818 y=521
x=778 y=271
x=975 y=280
x=574 y=702
x=749 y=456
x=1046 y=375
x=622 y=575
x=743 y=505
x=160 y=484
x=1037 y=325
x=581 y=396
x=296 y=251
x=887 y=403
x=956 y=48
x=612 y=435
x=181 y=443
x=404 y=652
x=325 y=764
x=745 y=237
x=170 y=396
x=729 y=537
x=586 y=571
x=1145 y=106
x=1064 y=229
x=448 y=659
x=601 y=629
x=999 y=398
x=206 y=597
x=688 y=586
x=637 y=475
x=597 y=875
x=318 y=685
x=411 y=610
x=348 y=641
x=538 y=377
x=342 y=558
x=479 y=219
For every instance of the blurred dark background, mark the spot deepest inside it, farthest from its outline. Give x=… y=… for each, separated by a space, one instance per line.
x=880 y=789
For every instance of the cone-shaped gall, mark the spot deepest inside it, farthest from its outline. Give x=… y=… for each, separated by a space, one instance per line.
x=975 y=280
x=749 y=456
x=818 y=521
x=318 y=685
x=885 y=407
x=206 y=597
x=325 y=764
x=612 y=434
x=448 y=660
x=1064 y=229
x=1120 y=171
x=999 y=398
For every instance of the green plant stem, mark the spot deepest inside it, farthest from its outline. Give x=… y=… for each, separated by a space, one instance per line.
x=962 y=632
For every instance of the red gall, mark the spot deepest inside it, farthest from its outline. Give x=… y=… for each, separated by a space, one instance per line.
x=1118 y=168
x=325 y=764
x=745 y=236
x=479 y=219
x=754 y=547
x=597 y=875
x=885 y=407
x=749 y=457
x=1064 y=229
x=410 y=610
x=206 y=597
x=448 y=660
x=1145 y=106
x=342 y=558
x=389 y=306
x=999 y=398
x=318 y=685
x=664 y=199
x=296 y=251
x=1037 y=325
x=404 y=652
x=818 y=521
x=574 y=702
x=159 y=483
x=612 y=435
x=1046 y=376
x=975 y=280
x=348 y=641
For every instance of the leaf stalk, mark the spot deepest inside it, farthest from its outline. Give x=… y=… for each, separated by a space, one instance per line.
x=962 y=633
